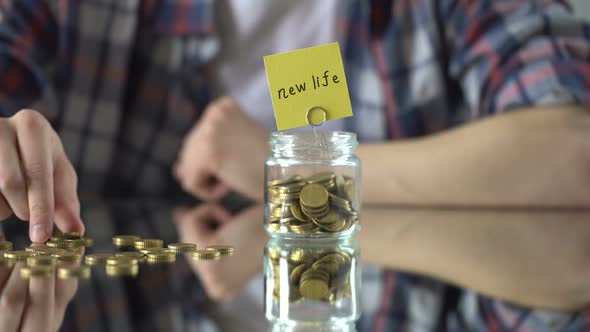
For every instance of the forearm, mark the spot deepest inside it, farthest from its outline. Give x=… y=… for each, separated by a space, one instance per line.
x=524 y=158
x=534 y=259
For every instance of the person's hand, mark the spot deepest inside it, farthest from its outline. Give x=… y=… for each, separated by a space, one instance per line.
x=208 y=225
x=225 y=151
x=37 y=182
x=33 y=305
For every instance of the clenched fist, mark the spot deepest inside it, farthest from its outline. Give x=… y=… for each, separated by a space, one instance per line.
x=225 y=151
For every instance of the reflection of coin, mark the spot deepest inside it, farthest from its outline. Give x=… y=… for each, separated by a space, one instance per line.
x=122 y=270
x=7 y=262
x=41 y=260
x=97 y=259
x=79 y=272
x=68 y=257
x=19 y=255
x=44 y=271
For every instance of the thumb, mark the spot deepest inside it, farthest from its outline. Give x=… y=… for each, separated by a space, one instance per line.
x=67 y=204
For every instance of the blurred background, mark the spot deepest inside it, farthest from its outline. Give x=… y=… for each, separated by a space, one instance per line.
x=582 y=8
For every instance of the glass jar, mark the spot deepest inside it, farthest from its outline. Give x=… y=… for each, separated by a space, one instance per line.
x=312 y=189
x=312 y=285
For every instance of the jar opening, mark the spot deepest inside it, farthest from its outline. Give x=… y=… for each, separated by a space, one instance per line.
x=325 y=144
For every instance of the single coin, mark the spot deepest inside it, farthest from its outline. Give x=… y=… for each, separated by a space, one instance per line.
x=43 y=271
x=78 y=272
x=43 y=249
x=5 y=245
x=313 y=289
x=182 y=247
x=314 y=196
x=7 y=262
x=41 y=260
x=161 y=257
x=19 y=255
x=70 y=235
x=68 y=256
x=97 y=259
x=205 y=254
x=125 y=240
x=133 y=254
x=223 y=250
x=148 y=243
x=61 y=244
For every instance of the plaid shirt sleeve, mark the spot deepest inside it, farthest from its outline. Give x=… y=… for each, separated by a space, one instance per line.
x=507 y=54
x=511 y=53
x=27 y=44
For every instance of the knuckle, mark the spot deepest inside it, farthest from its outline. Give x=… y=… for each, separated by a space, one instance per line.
x=30 y=119
x=10 y=181
x=216 y=114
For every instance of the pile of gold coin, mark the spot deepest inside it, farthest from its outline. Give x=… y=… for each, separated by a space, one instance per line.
x=321 y=203
x=43 y=259
x=313 y=275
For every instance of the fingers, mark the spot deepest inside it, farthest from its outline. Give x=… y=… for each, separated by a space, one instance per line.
x=12 y=300
x=67 y=205
x=12 y=183
x=34 y=144
x=39 y=310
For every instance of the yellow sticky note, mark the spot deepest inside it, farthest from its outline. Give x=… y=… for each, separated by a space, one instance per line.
x=303 y=79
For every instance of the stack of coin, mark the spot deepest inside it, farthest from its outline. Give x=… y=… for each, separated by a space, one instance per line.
x=200 y=255
x=69 y=241
x=70 y=272
x=321 y=203
x=148 y=244
x=162 y=256
x=313 y=274
x=182 y=247
x=223 y=250
x=42 y=271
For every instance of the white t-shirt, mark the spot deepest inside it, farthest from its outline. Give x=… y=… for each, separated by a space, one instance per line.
x=249 y=30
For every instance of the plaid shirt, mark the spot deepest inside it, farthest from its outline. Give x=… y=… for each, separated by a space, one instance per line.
x=122 y=81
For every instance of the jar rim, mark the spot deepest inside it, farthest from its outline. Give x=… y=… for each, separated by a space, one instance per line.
x=336 y=134
x=325 y=144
